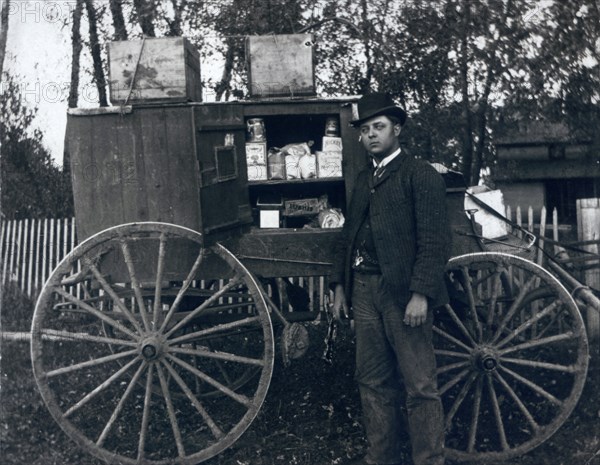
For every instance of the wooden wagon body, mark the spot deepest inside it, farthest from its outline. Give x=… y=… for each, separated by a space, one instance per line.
x=159 y=323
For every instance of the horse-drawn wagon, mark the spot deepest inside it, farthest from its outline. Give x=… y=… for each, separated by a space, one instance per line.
x=153 y=343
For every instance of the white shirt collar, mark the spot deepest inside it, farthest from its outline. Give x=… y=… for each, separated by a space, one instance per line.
x=387 y=159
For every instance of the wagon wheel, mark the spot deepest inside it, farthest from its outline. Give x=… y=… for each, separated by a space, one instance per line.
x=512 y=356
x=135 y=394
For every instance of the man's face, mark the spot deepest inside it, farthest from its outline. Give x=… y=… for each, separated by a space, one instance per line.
x=380 y=136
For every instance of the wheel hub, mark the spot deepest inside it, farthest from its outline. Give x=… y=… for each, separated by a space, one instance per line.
x=151 y=348
x=485 y=359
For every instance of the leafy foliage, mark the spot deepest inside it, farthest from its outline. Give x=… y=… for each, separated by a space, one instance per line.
x=32 y=185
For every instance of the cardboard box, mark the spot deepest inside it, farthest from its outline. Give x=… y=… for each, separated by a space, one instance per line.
x=302 y=207
x=329 y=164
x=257 y=172
x=162 y=70
x=281 y=65
x=332 y=144
x=256 y=153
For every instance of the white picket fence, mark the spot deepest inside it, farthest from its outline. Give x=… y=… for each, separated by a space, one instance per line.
x=31 y=249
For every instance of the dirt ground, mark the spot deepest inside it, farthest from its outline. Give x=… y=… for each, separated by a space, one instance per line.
x=311 y=417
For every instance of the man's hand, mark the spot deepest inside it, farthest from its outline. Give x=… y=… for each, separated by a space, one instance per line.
x=340 y=306
x=416 y=310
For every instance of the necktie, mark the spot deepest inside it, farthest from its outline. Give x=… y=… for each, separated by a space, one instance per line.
x=379 y=171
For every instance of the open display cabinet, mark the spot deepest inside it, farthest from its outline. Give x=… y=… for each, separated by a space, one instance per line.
x=298 y=197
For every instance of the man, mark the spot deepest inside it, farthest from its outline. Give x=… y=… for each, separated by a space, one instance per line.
x=390 y=261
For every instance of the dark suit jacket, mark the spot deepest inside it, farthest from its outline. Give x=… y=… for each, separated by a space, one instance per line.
x=407 y=209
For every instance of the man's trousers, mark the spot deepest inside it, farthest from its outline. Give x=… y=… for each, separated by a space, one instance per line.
x=389 y=353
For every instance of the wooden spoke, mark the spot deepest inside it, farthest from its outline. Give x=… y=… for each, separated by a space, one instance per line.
x=454 y=380
x=497 y=413
x=459 y=400
x=134 y=281
x=496 y=285
x=450 y=367
x=475 y=415
x=524 y=410
x=101 y=387
x=121 y=404
x=91 y=363
x=56 y=335
x=245 y=401
x=182 y=291
x=452 y=339
x=171 y=411
x=451 y=353
x=544 y=365
x=215 y=430
x=460 y=325
x=159 y=274
x=529 y=323
x=215 y=329
x=113 y=295
x=98 y=314
x=145 y=414
x=200 y=352
x=534 y=387
x=538 y=342
x=194 y=313
x=471 y=297
x=513 y=308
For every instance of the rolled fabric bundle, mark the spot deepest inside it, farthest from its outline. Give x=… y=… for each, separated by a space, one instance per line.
x=331 y=218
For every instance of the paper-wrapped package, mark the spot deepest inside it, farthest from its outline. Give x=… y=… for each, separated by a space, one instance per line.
x=308 y=166
x=293 y=154
x=331 y=218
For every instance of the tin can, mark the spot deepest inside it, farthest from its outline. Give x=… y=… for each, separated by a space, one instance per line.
x=256 y=130
x=332 y=128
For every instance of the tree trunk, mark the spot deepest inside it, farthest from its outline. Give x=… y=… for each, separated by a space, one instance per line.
x=365 y=84
x=96 y=53
x=3 y=33
x=145 y=12
x=76 y=46
x=464 y=81
x=175 y=29
x=224 y=85
x=116 y=10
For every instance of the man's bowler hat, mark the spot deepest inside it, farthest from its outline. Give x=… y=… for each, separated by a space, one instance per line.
x=375 y=104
